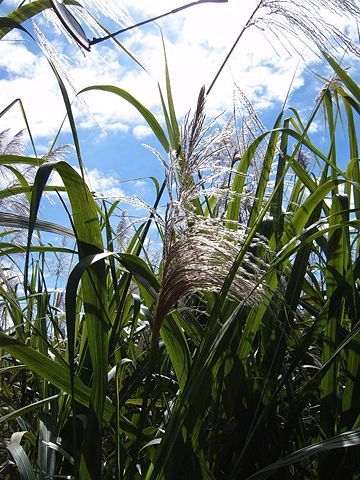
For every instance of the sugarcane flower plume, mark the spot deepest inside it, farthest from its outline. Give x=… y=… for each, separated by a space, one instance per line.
x=199 y=248
x=312 y=22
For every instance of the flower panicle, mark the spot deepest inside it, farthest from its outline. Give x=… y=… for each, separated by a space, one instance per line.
x=199 y=249
x=200 y=257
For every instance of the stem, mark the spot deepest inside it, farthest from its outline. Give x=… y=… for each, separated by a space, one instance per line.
x=247 y=25
x=144 y=406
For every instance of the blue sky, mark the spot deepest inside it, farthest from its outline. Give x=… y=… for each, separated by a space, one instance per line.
x=197 y=40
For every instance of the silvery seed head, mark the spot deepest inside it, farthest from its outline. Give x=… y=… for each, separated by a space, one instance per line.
x=199 y=248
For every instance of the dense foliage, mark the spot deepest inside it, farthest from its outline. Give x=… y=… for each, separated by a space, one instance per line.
x=237 y=355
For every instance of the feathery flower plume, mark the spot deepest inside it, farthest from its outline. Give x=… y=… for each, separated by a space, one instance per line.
x=286 y=18
x=199 y=250
x=304 y=21
x=14 y=145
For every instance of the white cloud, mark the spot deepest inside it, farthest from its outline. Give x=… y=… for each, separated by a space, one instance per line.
x=141 y=131
x=314 y=127
x=17 y=59
x=106 y=185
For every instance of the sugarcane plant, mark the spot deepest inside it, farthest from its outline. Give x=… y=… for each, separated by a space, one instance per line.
x=236 y=355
